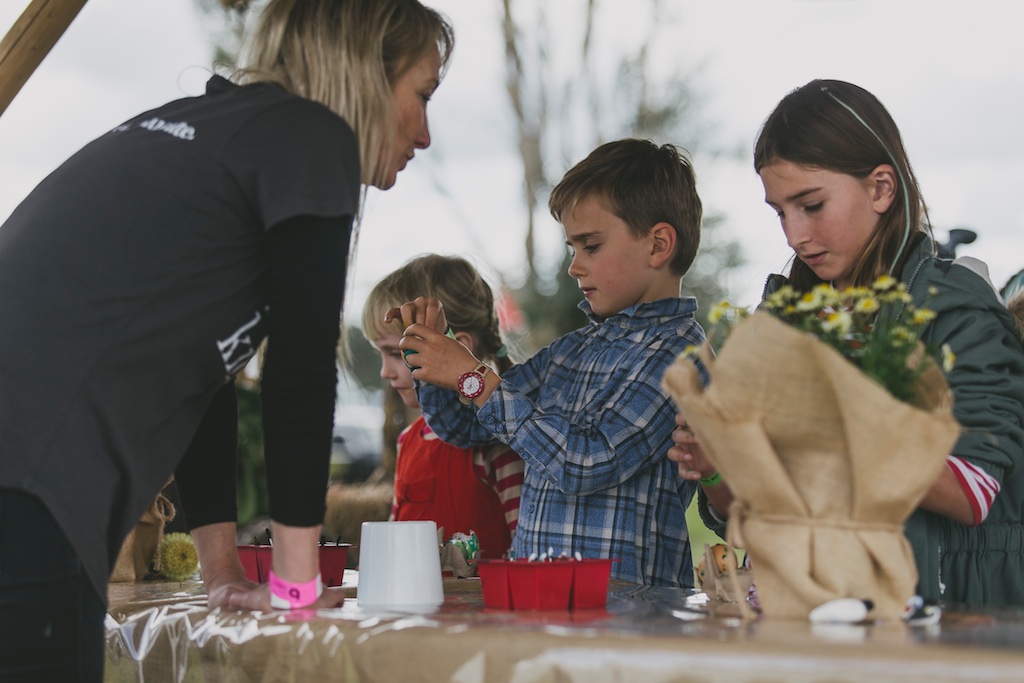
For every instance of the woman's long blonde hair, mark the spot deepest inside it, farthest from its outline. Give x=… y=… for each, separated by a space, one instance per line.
x=347 y=55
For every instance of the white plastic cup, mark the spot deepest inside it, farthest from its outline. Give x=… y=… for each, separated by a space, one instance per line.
x=399 y=566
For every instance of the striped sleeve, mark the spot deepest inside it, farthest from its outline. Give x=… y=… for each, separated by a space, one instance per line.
x=979 y=486
x=502 y=469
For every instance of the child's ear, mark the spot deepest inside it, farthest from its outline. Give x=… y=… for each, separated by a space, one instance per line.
x=466 y=339
x=663 y=244
x=882 y=183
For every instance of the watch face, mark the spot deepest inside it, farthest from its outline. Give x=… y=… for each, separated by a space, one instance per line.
x=471 y=384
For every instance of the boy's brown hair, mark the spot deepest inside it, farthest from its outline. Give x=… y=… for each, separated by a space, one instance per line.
x=642 y=184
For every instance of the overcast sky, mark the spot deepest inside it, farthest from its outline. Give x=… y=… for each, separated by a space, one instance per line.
x=950 y=73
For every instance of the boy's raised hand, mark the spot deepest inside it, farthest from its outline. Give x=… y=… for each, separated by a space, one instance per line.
x=435 y=357
x=432 y=355
x=423 y=310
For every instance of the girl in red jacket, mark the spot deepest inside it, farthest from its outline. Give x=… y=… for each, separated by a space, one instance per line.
x=461 y=489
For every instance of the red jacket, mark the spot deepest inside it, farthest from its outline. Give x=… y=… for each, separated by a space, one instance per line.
x=437 y=481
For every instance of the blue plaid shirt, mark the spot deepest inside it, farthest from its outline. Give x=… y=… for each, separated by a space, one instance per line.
x=589 y=417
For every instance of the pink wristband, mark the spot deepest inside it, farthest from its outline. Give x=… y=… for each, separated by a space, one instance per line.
x=288 y=595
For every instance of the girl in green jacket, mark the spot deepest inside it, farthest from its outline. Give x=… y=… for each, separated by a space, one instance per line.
x=834 y=169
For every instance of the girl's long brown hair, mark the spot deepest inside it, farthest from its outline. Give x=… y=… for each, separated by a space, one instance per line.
x=838 y=126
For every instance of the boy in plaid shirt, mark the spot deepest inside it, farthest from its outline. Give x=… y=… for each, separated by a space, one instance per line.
x=587 y=414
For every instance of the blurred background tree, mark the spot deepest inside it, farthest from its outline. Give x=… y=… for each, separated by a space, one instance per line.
x=564 y=110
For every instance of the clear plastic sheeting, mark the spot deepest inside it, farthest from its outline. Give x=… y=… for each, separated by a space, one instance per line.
x=164 y=632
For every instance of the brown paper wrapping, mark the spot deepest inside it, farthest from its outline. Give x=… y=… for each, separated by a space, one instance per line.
x=825 y=465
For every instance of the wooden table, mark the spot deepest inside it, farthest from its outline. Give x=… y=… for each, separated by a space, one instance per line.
x=165 y=632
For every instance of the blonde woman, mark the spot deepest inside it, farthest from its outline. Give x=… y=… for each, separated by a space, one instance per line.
x=142 y=274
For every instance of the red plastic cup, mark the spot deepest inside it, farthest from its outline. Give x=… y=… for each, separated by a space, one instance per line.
x=590 y=583
x=256 y=560
x=494 y=583
x=541 y=585
x=332 y=563
x=247 y=555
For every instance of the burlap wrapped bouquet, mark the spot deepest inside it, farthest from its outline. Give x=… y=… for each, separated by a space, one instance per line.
x=824 y=463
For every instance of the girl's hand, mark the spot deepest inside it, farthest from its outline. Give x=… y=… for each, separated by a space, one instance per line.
x=694 y=466
x=422 y=310
x=686 y=450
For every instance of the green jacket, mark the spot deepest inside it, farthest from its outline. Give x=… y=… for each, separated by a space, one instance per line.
x=982 y=564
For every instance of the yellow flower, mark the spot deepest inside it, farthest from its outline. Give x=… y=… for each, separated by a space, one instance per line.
x=922 y=316
x=825 y=294
x=837 y=321
x=948 y=358
x=876 y=328
x=884 y=283
x=868 y=304
x=689 y=352
x=717 y=312
x=780 y=298
x=811 y=301
x=179 y=557
x=897 y=294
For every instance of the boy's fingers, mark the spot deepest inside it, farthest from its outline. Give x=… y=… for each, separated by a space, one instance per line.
x=433 y=312
x=408 y=314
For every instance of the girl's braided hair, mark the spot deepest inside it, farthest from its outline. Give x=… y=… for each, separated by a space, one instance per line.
x=467 y=299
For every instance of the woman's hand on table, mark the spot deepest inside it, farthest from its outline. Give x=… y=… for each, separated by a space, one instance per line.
x=244 y=594
x=224 y=577
x=237 y=593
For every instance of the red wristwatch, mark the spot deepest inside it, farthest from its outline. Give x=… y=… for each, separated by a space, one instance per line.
x=471 y=384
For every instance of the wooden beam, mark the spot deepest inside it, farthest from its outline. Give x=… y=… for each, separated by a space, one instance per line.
x=35 y=32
